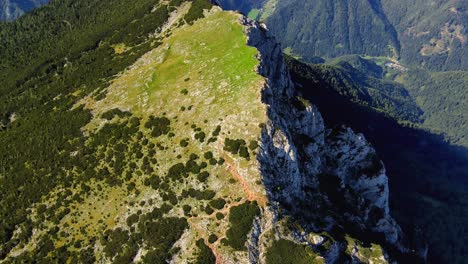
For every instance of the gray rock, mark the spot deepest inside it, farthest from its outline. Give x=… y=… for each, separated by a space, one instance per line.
x=297 y=149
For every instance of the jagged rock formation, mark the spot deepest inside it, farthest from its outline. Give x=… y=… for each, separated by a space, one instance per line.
x=305 y=166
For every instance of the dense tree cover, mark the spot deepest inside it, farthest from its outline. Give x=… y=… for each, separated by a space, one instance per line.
x=212 y=238
x=287 y=252
x=240 y=223
x=419 y=27
x=60 y=32
x=156 y=233
x=34 y=160
x=237 y=146
x=115 y=112
x=218 y=203
x=163 y=233
x=333 y=28
x=432 y=36
x=196 y=10
x=360 y=81
x=159 y=125
x=443 y=97
x=180 y=171
x=199 y=195
x=205 y=255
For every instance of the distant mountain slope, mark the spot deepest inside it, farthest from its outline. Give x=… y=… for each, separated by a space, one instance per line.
x=443 y=97
x=334 y=28
x=432 y=34
x=361 y=81
x=12 y=9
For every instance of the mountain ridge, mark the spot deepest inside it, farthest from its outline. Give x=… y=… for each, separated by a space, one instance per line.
x=188 y=153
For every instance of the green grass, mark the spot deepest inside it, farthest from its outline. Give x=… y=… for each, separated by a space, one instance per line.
x=287 y=252
x=378 y=60
x=200 y=79
x=210 y=60
x=371 y=254
x=211 y=63
x=268 y=9
x=203 y=79
x=253 y=14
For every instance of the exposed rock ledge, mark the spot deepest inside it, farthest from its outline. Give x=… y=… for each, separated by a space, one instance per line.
x=328 y=177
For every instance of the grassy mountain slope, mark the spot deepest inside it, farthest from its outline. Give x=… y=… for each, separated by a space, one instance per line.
x=141 y=161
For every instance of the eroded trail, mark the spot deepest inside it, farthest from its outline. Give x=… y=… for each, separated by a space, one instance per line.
x=202 y=232
x=251 y=194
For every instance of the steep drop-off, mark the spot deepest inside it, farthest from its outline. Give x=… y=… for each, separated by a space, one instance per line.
x=428 y=176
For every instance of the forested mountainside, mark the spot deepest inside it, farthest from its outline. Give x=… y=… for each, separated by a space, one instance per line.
x=12 y=9
x=170 y=131
x=432 y=33
x=362 y=82
x=334 y=28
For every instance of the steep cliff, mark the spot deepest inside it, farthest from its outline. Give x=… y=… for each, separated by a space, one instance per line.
x=326 y=177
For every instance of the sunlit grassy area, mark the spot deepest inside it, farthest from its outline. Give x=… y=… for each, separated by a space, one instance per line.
x=367 y=254
x=253 y=14
x=202 y=77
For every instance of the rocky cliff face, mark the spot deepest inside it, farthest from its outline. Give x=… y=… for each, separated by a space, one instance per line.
x=326 y=177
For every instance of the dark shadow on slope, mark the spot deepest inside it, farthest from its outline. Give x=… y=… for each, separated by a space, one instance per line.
x=376 y=5
x=244 y=6
x=428 y=177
